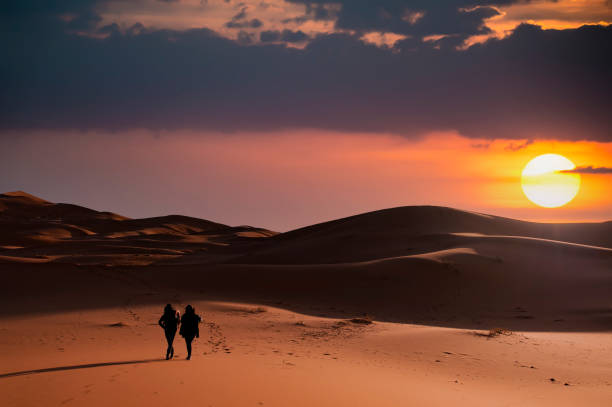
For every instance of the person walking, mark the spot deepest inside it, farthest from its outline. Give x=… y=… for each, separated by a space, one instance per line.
x=170 y=321
x=189 y=327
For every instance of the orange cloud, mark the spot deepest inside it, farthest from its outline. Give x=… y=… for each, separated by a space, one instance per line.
x=560 y=14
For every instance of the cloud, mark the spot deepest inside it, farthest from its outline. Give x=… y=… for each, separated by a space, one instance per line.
x=532 y=84
x=590 y=170
x=240 y=21
x=74 y=15
x=412 y=17
x=283 y=36
x=518 y=146
x=254 y=23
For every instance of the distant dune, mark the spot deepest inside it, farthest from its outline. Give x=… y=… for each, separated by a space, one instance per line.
x=410 y=230
x=33 y=228
x=430 y=264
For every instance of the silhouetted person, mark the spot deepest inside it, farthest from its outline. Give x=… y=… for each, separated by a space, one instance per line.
x=170 y=321
x=189 y=327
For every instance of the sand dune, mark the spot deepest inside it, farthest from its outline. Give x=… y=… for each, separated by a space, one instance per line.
x=409 y=230
x=36 y=228
x=421 y=305
x=431 y=265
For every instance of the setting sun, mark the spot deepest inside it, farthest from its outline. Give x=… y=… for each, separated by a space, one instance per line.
x=546 y=185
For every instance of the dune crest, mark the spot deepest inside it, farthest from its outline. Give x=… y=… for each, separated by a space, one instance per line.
x=58 y=232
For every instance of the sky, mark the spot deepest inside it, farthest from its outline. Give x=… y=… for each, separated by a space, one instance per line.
x=284 y=113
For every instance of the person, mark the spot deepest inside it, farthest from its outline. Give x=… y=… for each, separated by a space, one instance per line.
x=170 y=321
x=189 y=327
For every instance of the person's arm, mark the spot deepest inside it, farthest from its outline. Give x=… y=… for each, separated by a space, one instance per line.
x=160 y=322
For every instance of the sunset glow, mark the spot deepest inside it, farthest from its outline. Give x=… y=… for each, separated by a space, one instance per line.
x=291 y=179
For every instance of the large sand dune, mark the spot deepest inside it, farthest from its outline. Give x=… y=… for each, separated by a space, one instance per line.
x=287 y=316
x=410 y=230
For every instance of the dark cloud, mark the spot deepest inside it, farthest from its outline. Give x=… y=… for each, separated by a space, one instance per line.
x=245 y=38
x=590 y=170
x=283 y=36
x=409 y=17
x=25 y=15
x=533 y=84
x=240 y=21
x=320 y=12
x=254 y=23
x=241 y=15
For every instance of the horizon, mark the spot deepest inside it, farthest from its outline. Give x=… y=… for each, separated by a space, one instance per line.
x=297 y=179
x=18 y=193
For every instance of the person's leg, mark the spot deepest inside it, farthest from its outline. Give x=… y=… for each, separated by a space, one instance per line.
x=188 y=340
x=169 y=339
x=170 y=343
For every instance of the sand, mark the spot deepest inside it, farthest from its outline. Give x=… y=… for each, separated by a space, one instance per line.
x=458 y=309
x=250 y=354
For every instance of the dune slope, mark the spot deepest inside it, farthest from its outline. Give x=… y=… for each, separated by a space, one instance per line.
x=409 y=230
x=32 y=229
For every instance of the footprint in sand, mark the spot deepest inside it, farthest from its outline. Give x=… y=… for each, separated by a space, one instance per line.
x=216 y=339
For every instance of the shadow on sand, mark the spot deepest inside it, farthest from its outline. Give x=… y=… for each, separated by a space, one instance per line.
x=480 y=296
x=75 y=367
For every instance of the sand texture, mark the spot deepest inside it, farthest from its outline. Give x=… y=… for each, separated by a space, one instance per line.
x=411 y=306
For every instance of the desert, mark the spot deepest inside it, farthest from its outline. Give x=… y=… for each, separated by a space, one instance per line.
x=407 y=306
x=304 y=203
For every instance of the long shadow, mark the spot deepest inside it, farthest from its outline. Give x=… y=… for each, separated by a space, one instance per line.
x=75 y=367
x=465 y=297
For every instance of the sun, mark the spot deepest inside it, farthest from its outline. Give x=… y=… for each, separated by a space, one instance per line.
x=546 y=185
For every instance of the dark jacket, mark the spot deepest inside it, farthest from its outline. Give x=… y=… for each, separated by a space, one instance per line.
x=189 y=325
x=169 y=321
